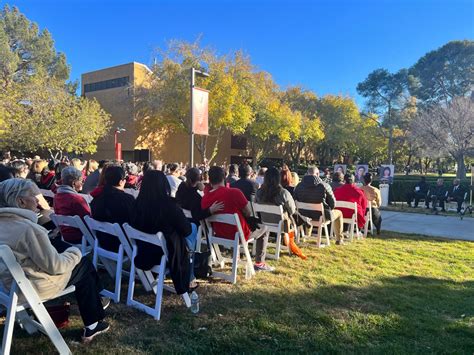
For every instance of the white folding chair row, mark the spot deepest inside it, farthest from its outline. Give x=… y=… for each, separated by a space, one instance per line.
x=369 y=224
x=453 y=205
x=321 y=224
x=87 y=243
x=15 y=311
x=352 y=221
x=276 y=227
x=234 y=244
x=123 y=254
x=160 y=269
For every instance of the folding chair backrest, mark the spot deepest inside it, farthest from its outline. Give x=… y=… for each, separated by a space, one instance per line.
x=157 y=239
x=109 y=228
x=312 y=207
x=226 y=218
x=348 y=205
x=74 y=222
x=266 y=210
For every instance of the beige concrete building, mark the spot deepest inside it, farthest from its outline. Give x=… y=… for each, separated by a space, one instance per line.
x=114 y=89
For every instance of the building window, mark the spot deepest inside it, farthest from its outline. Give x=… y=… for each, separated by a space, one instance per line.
x=107 y=84
x=238 y=142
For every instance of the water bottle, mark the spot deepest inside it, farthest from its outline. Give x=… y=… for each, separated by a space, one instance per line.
x=194 y=302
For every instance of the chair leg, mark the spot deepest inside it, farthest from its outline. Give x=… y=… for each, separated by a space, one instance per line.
x=9 y=322
x=118 y=276
x=278 y=246
x=131 y=284
x=159 y=289
x=235 y=262
x=318 y=241
x=326 y=231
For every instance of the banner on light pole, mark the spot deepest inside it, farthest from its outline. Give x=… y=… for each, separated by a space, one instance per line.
x=200 y=111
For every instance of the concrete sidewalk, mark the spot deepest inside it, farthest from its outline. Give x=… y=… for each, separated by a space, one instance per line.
x=432 y=225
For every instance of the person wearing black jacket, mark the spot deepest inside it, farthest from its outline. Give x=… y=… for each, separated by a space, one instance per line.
x=189 y=198
x=155 y=211
x=247 y=186
x=312 y=189
x=437 y=194
x=456 y=194
x=419 y=192
x=113 y=205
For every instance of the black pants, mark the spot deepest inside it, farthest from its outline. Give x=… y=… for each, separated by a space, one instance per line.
x=88 y=286
x=377 y=218
x=417 y=196
x=434 y=200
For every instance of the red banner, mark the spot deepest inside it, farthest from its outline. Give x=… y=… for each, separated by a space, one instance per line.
x=200 y=111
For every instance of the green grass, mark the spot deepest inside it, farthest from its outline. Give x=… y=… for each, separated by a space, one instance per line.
x=393 y=294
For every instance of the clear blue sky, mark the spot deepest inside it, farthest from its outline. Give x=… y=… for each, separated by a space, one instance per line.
x=326 y=46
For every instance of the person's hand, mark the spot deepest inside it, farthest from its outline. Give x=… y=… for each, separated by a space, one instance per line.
x=216 y=207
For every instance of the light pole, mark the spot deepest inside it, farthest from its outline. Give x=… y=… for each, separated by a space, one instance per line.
x=191 y=143
x=118 y=150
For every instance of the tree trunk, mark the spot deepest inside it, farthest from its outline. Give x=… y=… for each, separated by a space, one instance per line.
x=461 y=167
x=390 y=145
x=201 y=145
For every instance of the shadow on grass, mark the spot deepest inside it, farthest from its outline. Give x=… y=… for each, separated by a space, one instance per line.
x=396 y=315
x=389 y=235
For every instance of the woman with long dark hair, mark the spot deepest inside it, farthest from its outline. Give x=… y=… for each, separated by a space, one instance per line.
x=273 y=193
x=155 y=211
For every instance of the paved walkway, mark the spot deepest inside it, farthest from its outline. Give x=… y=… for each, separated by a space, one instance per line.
x=432 y=225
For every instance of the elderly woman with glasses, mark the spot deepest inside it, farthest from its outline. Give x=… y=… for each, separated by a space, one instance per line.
x=68 y=202
x=49 y=271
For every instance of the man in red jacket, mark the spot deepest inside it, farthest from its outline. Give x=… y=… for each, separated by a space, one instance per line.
x=349 y=192
x=68 y=202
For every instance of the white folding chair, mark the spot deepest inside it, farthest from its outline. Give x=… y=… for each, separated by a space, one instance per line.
x=21 y=286
x=321 y=224
x=277 y=227
x=157 y=239
x=235 y=244
x=369 y=224
x=123 y=254
x=453 y=205
x=352 y=221
x=87 y=243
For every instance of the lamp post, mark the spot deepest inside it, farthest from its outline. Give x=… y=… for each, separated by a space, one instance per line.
x=117 y=147
x=191 y=143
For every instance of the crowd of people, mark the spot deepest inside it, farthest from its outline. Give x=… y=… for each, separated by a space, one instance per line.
x=52 y=262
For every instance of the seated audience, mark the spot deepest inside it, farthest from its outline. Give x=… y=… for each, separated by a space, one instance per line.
x=337 y=180
x=232 y=176
x=6 y=173
x=173 y=178
x=49 y=269
x=419 y=192
x=312 y=189
x=92 y=180
x=68 y=202
x=373 y=196
x=112 y=205
x=189 y=197
x=90 y=167
x=349 y=192
x=131 y=171
x=260 y=176
x=295 y=179
x=35 y=171
x=245 y=184
x=21 y=169
x=48 y=176
x=286 y=180
x=437 y=194
x=456 y=194
x=155 y=211
x=234 y=202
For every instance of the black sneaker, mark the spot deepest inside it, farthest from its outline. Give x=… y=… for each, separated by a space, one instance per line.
x=89 y=334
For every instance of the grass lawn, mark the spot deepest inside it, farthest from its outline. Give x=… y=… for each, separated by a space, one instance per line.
x=393 y=294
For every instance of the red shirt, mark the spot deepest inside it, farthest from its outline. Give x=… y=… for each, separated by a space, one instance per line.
x=351 y=193
x=66 y=204
x=234 y=202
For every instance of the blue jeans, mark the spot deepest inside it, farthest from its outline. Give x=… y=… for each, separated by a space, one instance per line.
x=191 y=243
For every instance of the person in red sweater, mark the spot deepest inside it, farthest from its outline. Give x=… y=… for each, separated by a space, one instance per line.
x=234 y=202
x=68 y=202
x=349 y=192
